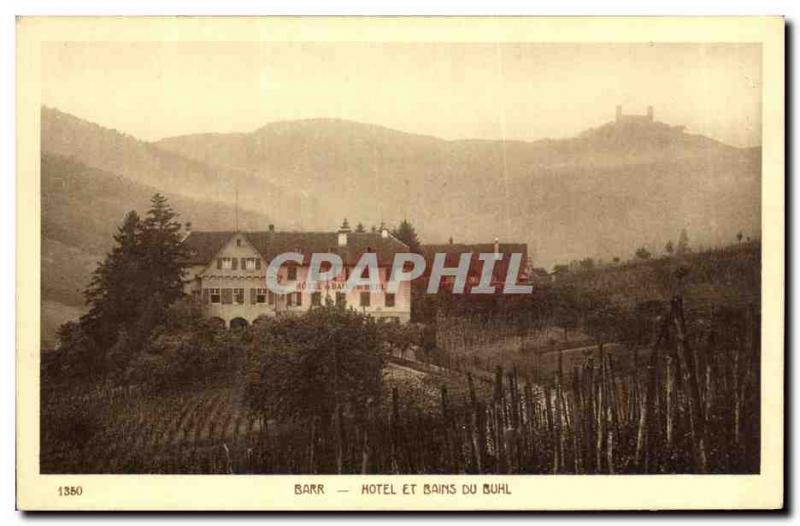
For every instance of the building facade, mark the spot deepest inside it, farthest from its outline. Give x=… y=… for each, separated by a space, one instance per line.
x=228 y=274
x=500 y=265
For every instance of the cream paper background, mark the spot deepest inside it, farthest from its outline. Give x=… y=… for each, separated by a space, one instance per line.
x=276 y=492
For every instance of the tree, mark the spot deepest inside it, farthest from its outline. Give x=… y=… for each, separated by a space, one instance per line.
x=406 y=233
x=328 y=359
x=112 y=294
x=131 y=288
x=187 y=349
x=163 y=252
x=683 y=243
x=669 y=248
x=360 y=228
x=642 y=253
x=76 y=351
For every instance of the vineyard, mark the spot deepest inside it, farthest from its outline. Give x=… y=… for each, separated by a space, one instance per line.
x=139 y=434
x=686 y=403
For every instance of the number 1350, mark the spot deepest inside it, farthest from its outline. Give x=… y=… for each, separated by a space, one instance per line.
x=70 y=491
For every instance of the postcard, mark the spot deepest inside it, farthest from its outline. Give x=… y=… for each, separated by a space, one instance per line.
x=400 y=263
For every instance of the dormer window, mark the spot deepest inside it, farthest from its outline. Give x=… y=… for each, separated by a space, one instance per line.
x=251 y=264
x=238 y=242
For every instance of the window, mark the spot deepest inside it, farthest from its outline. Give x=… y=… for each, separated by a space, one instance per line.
x=227 y=296
x=271 y=297
x=238 y=242
x=295 y=299
x=316 y=299
x=261 y=295
x=213 y=295
x=225 y=263
x=365 y=272
x=389 y=299
x=341 y=298
x=238 y=296
x=365 y=299
x=251 y=263
x=291 y=272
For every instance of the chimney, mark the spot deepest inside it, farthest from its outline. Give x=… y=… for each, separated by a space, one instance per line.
x=497 y=255
x=272 y=228
x=384 y=231
x=650 y=113
x=343 y=231
x=450 y=240
x=619 y=112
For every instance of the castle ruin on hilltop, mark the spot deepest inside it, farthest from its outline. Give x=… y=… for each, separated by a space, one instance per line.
x=621 y=118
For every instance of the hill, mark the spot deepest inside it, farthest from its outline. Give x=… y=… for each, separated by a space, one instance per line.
x=600 y=194
x=722 y=277
x=118 y=153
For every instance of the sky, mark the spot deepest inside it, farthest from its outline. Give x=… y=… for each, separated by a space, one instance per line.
x=529 y=91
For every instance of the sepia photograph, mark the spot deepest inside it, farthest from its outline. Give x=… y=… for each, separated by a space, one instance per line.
x=428 y=257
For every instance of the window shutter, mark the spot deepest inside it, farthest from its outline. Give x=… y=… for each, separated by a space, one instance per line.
x=242 y=264
x=219 y=263
x=252 y=296
x=234 y=262
x=299 y=299
x=206 y=296
x=258 y=263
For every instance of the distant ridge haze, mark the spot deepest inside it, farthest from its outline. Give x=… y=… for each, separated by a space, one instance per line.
x=589 y=188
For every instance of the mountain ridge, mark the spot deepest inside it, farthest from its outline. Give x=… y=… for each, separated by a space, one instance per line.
x=294 y=150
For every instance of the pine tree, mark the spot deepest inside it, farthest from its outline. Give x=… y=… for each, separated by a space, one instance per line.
x=406 y=233
x=131 y=289
x=112 y=294
x=163 y=253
